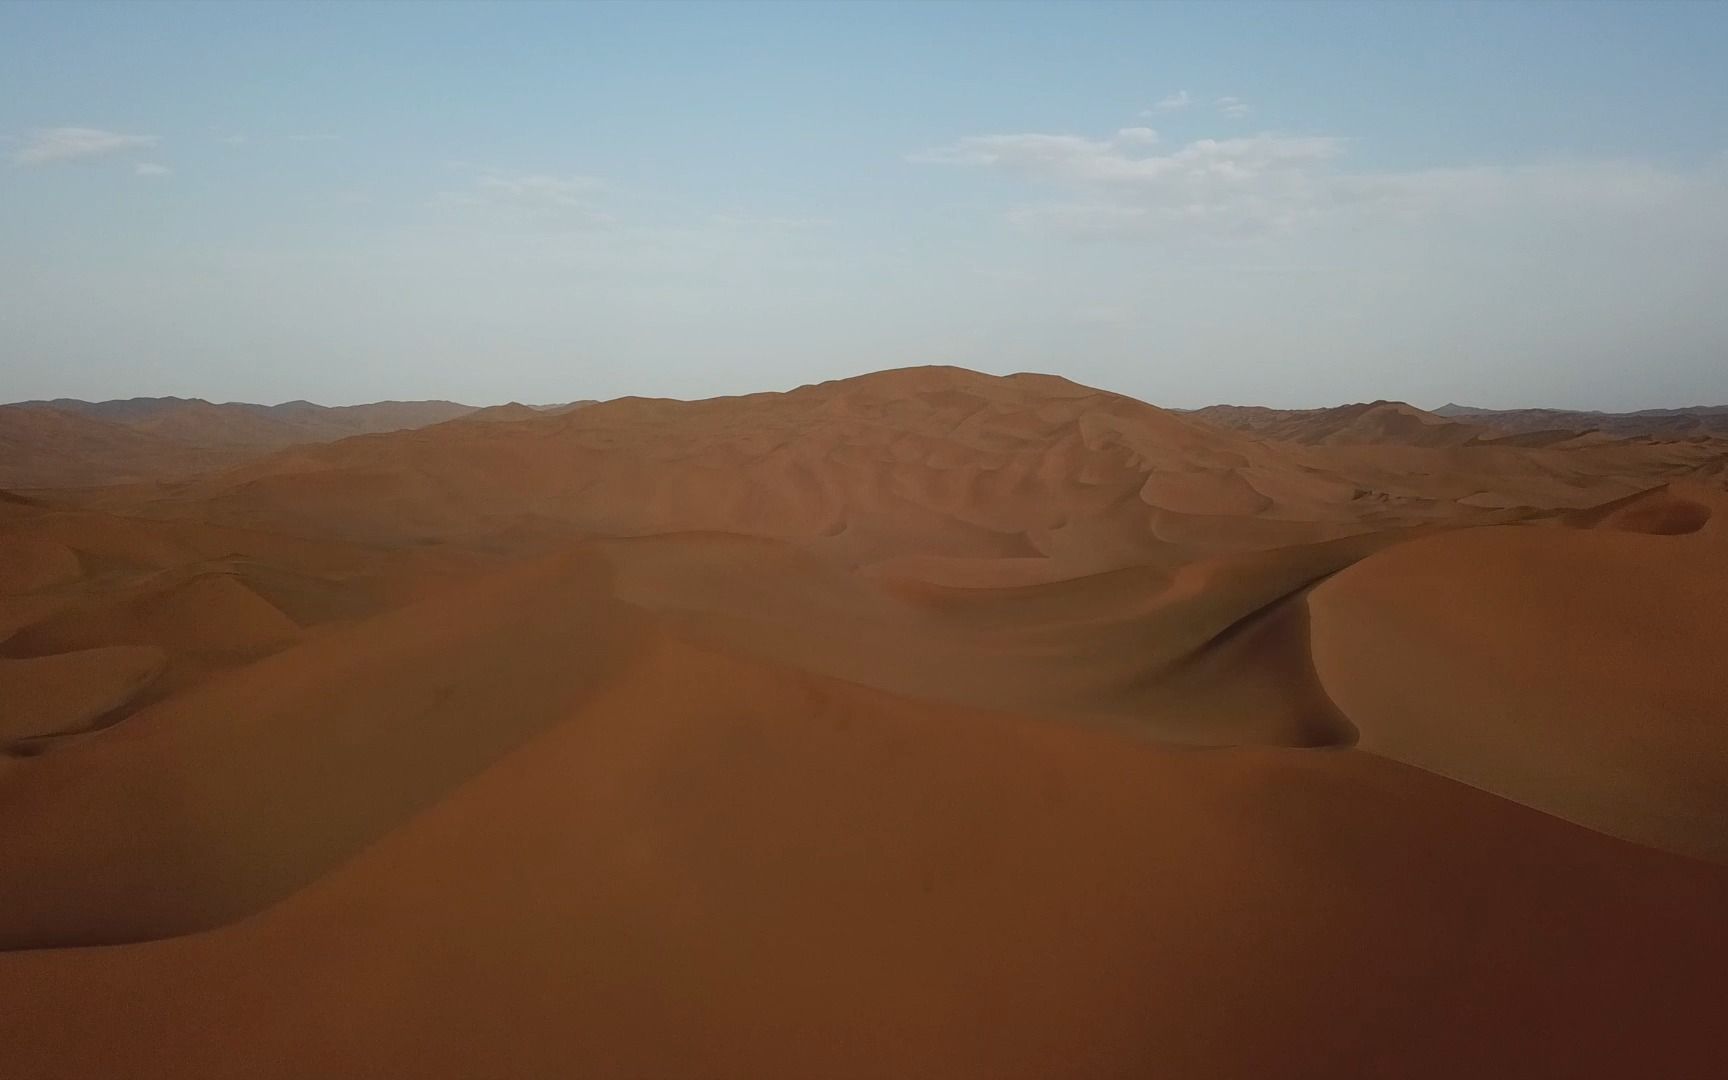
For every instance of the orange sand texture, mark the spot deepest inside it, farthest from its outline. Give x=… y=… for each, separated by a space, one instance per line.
x=922 y=724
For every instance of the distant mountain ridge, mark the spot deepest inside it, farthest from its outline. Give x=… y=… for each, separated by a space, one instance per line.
x=247 y=424
x=71 y=442
x=1457 y=425
x=1345 y=425
x=1687 y=422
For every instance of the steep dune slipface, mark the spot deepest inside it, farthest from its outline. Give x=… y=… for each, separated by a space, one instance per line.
x=1572 y=670
x=1202 y=654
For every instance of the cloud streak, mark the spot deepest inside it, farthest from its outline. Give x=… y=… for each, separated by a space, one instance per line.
x=1257 y=180
x=1129 y=184
x=535 y=200
x=47 y=146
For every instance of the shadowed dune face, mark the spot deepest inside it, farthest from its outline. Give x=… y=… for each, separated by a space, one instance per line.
x=1566 y=670
x=1659 y=513
x=70 y=692
x=927 y=723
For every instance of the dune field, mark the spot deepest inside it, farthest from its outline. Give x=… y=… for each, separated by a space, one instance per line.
x=921 y=724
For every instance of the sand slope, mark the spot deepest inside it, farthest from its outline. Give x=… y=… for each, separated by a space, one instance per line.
x=924 y=724
x=1570 y=670
x=722 y=869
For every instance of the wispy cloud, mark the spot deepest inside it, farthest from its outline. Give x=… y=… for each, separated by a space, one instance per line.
x=540 y=189
x=1198 y=177
x=150 y=168
x=1233 y=107
x=49 y=145
x=1125 y=185
x=542 y=200
x=1171 y=103
x=266 y=139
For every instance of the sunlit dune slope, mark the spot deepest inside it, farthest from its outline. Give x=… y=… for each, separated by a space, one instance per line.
x=933 y=462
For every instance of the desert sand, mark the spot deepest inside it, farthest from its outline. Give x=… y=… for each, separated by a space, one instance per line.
x=921 y=724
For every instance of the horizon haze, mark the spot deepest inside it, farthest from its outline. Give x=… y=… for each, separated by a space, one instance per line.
x=1295 y=205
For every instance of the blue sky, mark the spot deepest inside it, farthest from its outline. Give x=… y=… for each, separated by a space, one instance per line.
x=1500 y=204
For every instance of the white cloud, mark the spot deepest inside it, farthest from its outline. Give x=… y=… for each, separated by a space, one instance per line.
x=49 y=145
x=1171 y=103
x=1123 y=186
x=1260 y=179
x=150 y=168
x=1119 y=159
x=1235 y=108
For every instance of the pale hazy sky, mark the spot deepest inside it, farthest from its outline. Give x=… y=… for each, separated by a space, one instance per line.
x=1499 y=204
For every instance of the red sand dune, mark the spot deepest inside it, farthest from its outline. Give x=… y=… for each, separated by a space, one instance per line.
x=66 y=442
x=928 y=723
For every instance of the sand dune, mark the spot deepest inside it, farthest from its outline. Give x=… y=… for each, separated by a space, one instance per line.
x=70 y=443
x=928 y=723
x=1567 y=670
x=718 y=868
x=44 y=447
x=68 y=693
x=307 y=755
x=1350 y=425
x=927 y=461
x=1693 y=422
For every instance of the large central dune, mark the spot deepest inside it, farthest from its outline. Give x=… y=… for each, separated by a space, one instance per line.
x=923 y=724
